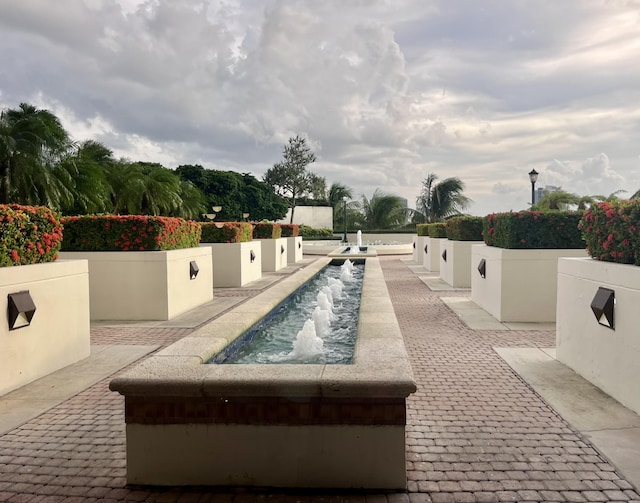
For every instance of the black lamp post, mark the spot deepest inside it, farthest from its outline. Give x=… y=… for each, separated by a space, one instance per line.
x=344 y=201
x=533 y=176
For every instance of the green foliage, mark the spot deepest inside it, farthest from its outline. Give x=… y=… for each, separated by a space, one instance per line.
x=266 y=230
x=383 y=211
x=612 y=231
x=440 y=200
x=228 y=232
x=422 y=229
x=464 y=228
x=533 y=230
x=437 y=230
x=290 y=230
x=129 y=233
x=313 y=233
x=28 y=235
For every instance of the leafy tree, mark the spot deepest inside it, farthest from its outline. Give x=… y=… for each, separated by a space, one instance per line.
x=557 y=200
x=440 y=200
x=32 y=142
x=290 y=178
x=382 y=211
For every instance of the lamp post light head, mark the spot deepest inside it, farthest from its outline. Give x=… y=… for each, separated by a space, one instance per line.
x=533 y=176
x=217 y=209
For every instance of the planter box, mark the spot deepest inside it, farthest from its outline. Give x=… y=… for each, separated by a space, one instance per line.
x=431 y=254
x=274 y=254
x=418 y=249
x=59 y=331
x=607 y=358
x=519 y=285
x=456 y=269
x=233 y=265
x=146 y=285
x=294 y=249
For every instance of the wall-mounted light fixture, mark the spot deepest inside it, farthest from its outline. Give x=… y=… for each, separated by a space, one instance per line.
x=193 y=269
x=281 y=249
x=299 y=245
x=602 y=306
x=414 y=245
x=482 y=268
x=252 y=256
x=21 y=309
x=426 y=248
x=444 y=255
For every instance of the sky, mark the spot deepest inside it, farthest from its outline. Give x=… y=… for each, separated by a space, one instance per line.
x=385 y=91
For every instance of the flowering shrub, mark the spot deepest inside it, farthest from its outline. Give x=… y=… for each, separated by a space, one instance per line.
x=464 y=228
x=612 y=231
x=290 y=230
x=266 y=230
x=229 y=232
x=437 y=230
x=129 y=233
x=28 y=235
x=422 y=229
x=533 y=230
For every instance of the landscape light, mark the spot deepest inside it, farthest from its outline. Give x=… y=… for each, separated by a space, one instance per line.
x=21 y=309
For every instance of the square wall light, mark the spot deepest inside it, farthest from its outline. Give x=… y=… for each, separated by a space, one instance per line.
x=193 y=269
x=20 y=309
x=482 y=268
x=281 y=249
x=252 y=256
x=602 y=306
x=444 y=255
x=426 y=248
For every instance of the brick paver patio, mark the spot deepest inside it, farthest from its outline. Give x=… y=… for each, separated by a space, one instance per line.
x=476 y=432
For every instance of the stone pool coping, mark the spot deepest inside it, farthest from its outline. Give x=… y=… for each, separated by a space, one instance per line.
x=380 y=369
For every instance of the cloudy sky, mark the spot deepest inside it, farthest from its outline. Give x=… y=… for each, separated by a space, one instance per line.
x=386 y=91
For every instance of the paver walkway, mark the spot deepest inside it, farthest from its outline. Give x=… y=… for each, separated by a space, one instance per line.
x=476 y=431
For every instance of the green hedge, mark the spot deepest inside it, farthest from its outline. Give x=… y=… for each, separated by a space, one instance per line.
x=28 y=235
x=313 y=233
x=290 y=230
x=612 y=231
x=422 y=229
x=128 y=233
x=266 y=230
x=228 y=232
x=533 y=230
x=437 y=230
x=464 y=228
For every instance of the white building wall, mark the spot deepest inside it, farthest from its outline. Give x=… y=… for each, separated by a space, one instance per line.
x=318 y=217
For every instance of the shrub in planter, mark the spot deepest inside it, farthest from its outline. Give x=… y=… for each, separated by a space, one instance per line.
x=533 y=230
x=28 y=235
x=612 y=231
x=464 y=228
x=312 y=233
x=437 y=230
x=266 y=230
x=422 y=229
x=290 y=230
x=228 y=232
x=129 y=233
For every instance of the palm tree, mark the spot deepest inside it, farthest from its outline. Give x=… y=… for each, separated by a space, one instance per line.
x=335 y=198
x=438 y=201
x=557 y=200
x=127 y=184
x=382 y=211
x=32 y=142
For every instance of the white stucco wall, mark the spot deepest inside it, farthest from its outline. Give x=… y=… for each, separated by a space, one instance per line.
x=318 y=217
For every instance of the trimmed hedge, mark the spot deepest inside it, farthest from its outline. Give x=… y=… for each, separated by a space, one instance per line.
x=422 y=229
x=129 y=233
x=266 y=230
x=290 y=230
x=28 y=235
x=464 y=228
x=228 y=232
x=312 y=233
x=612 y=231
x=437 y=230
x=533 y=230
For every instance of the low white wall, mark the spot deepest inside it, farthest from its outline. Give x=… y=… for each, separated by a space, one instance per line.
x=431 y=254
x=456 y=270
x=318 y=217
x=59 y=331
x=146 y=285
x=232 y=264
x=294 y=249
x=274 y=257
x=370 y=239
x=607 y=358
x=520 y=285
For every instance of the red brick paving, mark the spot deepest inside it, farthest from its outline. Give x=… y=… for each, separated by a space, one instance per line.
x=476 y=432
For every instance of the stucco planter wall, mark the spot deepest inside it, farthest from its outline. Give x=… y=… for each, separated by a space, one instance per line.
x=456 y=268
x=59 y=331
x=519 y=285
x=607 y=358
x=274 y=254
x=235 y=264
x=294 y=249
x=431 y=254
x=146 y=285
x=418 y=249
